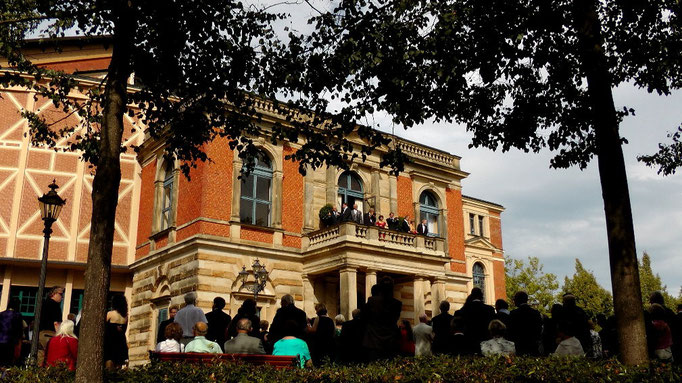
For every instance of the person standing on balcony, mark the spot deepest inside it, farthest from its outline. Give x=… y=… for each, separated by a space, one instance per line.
x=356 y=215
x=346 y=213
x=392 y=222
x=370 y=218
x=422 y=228
x=405 y=224
x=336 y=216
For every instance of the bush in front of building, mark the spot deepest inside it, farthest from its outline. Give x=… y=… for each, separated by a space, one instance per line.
x=428 y=369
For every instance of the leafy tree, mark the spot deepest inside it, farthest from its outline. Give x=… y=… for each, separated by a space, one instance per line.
x=651 y=282
x=589 y=295
x=205 y=67
x=530 y=278
x=522 y=74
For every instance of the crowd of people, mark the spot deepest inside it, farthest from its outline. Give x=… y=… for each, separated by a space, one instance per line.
x=348 y=214
x=374 y=332
x=57 y=338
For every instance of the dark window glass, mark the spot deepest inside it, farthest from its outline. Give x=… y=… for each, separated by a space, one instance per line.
x=246 y=210
x=472 y=224
x=263 y=188
x=247 y=186
x=480 y=225
x=479 y=277
x=256 y=194
x=262 y=213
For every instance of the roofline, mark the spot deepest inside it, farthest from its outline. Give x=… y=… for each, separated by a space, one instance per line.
x=483 y=201
x=83 y=39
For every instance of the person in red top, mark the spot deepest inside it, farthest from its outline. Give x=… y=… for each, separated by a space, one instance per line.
x=63 y=348
x=406 y=338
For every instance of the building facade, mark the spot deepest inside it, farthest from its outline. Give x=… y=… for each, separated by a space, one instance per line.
x=175 y=235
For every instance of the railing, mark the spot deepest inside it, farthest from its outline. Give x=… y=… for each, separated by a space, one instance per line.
x=373 y=235
x=419 y=151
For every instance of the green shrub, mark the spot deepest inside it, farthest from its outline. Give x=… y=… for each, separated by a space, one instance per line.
x=430 y=369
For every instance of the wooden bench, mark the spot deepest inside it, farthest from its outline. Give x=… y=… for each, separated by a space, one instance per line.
x=277 y=361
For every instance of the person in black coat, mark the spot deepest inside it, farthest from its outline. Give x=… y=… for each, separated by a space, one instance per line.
x=160 y=337
x=422 y=228
x=248 y=311
x=392 y=222
x=217 y=321
x=404 y=225
x=370 y=219
x=351 y=338
x=322 y=336
x=577 y=319
x=459 y=344
x=381 y=314
x=441 y=329
x=502 y=309
x=476 y=315
x=288 y=312
x=345 y=213
x=525 y=326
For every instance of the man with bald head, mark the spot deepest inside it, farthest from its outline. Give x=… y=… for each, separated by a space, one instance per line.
x=200 y=343
x=243 y=343
x=423 y=336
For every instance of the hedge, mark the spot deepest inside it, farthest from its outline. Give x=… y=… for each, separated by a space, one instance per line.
x=431 y=369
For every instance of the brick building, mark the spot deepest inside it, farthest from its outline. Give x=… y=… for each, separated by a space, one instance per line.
x=175 y=235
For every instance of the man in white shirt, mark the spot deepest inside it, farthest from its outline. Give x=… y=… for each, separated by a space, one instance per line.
x=188 y=316
x=423 y=336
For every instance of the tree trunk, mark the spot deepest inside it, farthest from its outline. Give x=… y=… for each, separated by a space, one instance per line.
x=104 y=201
x=627 y=300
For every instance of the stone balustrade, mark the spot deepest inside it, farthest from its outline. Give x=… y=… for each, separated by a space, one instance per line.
x=375 y=236
x=428 y=154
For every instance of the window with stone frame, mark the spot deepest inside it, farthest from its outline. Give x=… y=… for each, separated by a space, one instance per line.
x=256 y=193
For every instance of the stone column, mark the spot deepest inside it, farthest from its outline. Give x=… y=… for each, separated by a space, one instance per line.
x=276 y=212
x=308 y=296
x=437 y=295
x=6 y=282
x=236 y=189
x=418 y=292
x=370 y=280
x=331 y=187
x=68 y=294
x=393 y=193
x=443 y=229
x=308 y=196
x=349 y=291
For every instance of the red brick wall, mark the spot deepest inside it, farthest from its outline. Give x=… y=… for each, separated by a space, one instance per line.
x=190 y=195
x=255 y=234
x=216 y=180
x=498 y=274
x=405 y=206
x=495 y=229
x=292 y=198
x=144 y=223
x=455 y=225
x=79 y=65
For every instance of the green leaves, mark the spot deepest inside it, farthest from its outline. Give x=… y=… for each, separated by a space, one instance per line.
x=529 y=277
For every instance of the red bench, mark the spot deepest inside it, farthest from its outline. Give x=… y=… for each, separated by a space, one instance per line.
x=277 y=361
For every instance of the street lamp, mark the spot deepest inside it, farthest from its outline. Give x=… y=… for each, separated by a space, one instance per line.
x=260 y=277
x=50 y=207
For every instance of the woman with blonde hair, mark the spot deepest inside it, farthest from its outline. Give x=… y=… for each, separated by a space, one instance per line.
x=63 y=348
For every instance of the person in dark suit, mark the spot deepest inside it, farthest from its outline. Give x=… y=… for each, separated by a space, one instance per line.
x=392 y=222
x=441 y=329
x=160 y=337
x=381 y=314
x=350 y=340
x=370 y=219
x=525 y=326
x=288 y=312
x=345 y=213
x=476 y=315
x=459 y=344
x=578 y=320
x=336 y=216
x=243 y=343
x=422 y=228
x=404 y=225
x=502 y=308
x=217 y=321
x=248 y=310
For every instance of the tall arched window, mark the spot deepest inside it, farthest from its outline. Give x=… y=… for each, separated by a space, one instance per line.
x=479 y=277
x=167 y=197
x=256 y=198
x=428 y=210
x=350 y=190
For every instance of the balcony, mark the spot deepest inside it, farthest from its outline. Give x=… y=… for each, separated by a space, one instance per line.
x=375 y=238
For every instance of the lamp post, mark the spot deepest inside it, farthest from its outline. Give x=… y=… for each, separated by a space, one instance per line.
x=260 y=277
x=50 y=207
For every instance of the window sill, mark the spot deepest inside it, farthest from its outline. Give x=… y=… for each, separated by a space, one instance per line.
x=162 y=233
x=258 y=227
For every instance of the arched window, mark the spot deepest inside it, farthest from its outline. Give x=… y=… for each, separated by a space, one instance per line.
x=256 y=198
x=350 y=190
x=479 y=277
x=167 y=197
x=428 y=210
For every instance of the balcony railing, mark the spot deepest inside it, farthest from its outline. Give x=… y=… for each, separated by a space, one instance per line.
x=376 y=236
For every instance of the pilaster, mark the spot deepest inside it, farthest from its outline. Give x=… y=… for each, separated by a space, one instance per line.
x=348 y=291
